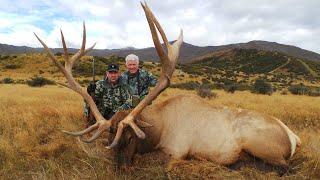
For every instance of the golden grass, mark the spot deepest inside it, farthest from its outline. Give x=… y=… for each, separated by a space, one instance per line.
x=32 y=147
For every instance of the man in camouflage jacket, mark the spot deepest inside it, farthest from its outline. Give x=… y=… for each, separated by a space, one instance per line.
x=139 y=80
x=111 y=95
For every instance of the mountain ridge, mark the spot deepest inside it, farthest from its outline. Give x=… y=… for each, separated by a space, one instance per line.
x=189 y=52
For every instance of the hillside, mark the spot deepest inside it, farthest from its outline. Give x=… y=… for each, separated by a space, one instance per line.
x=245 y=65
x=189 y=52
x=218 y=69
x=25 y=66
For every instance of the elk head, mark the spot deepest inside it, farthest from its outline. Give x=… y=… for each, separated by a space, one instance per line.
x=168 y=61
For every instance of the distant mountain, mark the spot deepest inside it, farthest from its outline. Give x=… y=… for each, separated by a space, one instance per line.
x=189 y=52
x=269 y=46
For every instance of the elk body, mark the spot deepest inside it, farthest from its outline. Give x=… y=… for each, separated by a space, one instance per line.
x=187 y=126
x=183 y=125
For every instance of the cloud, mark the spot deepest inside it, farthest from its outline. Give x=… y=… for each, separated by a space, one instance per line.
x=121 y=23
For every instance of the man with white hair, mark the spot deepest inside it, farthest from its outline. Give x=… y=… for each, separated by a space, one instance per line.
x=139 y=80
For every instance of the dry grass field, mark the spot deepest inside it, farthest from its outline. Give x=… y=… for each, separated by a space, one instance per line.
x=32 y=147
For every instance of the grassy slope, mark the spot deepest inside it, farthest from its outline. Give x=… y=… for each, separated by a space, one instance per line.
x=31 y=145
x=250 y=64
x=39 y=65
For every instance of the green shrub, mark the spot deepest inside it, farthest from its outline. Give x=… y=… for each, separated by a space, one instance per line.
x=205 y=91
x=314 y=93
x=261 y=86
x=231 y=88
x=11 y=62
x=39 y=81
x=7 y=80
x=4 y=57
x=12 y=66
x=299 y=89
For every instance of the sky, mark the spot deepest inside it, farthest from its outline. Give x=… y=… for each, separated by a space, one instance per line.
x=116 y=24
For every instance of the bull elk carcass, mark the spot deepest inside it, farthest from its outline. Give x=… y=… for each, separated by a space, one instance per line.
x=182 y=125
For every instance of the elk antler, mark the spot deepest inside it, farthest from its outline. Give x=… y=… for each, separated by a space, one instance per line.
x=168 y=66
x=101 y=123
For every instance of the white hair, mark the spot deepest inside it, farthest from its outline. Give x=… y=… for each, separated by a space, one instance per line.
x=132 y=57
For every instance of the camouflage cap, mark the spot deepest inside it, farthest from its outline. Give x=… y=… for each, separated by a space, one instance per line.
x=113 y=67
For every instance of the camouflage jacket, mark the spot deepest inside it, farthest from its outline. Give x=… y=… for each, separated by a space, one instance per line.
x=139 y=83
x=112 y=98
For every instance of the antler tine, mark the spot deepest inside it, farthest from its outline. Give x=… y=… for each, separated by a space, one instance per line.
x=82 y=51
x=65 y=50
x=80 y=133
x=93 y=137
x=163 y=56
x=163 y=35
x=168 y=63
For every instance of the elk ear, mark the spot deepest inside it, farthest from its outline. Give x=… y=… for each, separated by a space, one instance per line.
x=143 y=124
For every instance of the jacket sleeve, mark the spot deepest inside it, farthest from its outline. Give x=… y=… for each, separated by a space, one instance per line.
x=152 y=79
x=98 y=95
x=128 y=99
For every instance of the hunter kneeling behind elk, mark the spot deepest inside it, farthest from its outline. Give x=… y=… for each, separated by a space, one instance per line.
x=138 y=80
x=184 y=126
x=110 y=94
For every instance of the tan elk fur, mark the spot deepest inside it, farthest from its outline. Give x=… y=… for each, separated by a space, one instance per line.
x=188 y=126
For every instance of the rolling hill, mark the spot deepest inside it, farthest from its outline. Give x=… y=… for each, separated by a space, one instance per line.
x=246 y=65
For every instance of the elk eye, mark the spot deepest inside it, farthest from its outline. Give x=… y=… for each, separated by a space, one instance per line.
x=111 y=130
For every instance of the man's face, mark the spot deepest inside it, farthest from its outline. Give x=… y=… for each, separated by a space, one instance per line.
x=113 y=76
x=132 y=66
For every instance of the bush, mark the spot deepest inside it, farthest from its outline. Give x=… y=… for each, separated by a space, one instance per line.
x=299 y=89
x=261 y=86
x=7 y=80
x=314 y=92
x=39 y=81
x=12 y=66
x=205 y=91
x=284 y=92
x=231 y=88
